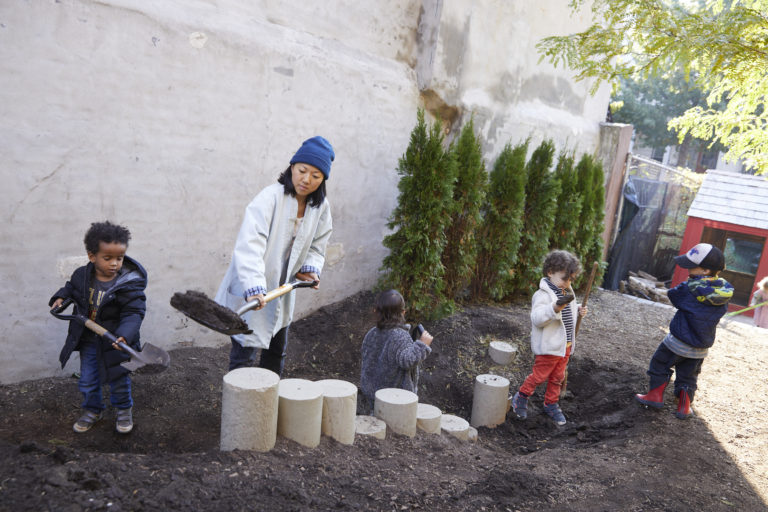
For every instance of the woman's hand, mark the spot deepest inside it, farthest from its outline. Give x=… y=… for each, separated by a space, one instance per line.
x=309 y=276
x=259 y=297
x=426 y=338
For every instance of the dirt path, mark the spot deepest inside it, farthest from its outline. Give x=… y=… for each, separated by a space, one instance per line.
x=612 y=455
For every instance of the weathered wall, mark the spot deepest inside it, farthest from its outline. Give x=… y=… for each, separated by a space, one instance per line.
x=169 y=116
x=486 y=64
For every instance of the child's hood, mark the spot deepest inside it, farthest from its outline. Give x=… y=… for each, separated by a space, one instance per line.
x=714 y=291
x=132 y=275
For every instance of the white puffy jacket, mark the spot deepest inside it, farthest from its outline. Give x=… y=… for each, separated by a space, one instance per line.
x=547 y=328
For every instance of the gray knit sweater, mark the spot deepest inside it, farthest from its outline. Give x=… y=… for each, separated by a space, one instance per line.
x=390 y=360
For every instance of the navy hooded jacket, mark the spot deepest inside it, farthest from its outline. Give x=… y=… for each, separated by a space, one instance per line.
x=701 y=302
x=121 y=312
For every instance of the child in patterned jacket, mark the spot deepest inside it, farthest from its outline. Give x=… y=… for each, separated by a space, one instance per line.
x=701 y=302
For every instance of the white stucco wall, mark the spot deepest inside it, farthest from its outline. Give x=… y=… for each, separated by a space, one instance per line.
x=168 y=117
x=486 y=62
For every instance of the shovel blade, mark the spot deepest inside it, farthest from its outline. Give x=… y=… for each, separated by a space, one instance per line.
x=205 y=311
x=151 y=360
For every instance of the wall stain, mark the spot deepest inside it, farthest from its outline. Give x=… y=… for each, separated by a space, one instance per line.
x=553 y=91
x=435 y=105
x=283 y=71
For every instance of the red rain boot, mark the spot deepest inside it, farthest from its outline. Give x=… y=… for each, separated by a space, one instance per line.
x=683 y=405
x=654 y=398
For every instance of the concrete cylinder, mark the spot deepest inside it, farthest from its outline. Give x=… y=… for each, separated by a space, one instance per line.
x=398 y=408
x=502 y=352
x=428 y=418
x=489 y=401
x=249 y=406
x=300 y=411
x=455 y=426
x=370 y=426
x=339 y=410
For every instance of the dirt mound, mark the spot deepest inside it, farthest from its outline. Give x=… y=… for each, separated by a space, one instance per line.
x=613 y=454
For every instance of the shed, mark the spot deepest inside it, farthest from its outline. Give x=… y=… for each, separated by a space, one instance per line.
x=730 y=211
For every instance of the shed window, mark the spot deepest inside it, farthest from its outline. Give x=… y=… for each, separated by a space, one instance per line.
x=742 y=255
x=742 y=258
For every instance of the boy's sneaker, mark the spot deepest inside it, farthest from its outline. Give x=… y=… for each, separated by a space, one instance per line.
x=124 y=422
x=86 y=421
x=554 y=412
x=520 y=405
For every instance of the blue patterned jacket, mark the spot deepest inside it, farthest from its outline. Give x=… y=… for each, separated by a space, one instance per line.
x=700 y=301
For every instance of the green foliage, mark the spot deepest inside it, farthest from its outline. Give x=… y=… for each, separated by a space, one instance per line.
x=569 y=204
x=413 y=265
x=722 y=46
x=460 y=253
x=501 y=227
x=649 y=104
x=589 y=242
x=541 y=192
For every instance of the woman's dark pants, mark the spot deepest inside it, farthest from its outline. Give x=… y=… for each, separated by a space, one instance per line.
x=272 y=358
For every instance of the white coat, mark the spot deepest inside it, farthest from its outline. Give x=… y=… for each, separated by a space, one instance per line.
x=258 y=258
x=547 y=329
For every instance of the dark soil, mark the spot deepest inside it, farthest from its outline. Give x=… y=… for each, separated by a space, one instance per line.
x=613 y=454
x=204 y=310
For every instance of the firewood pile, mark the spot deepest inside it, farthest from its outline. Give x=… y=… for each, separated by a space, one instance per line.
x=642 y=284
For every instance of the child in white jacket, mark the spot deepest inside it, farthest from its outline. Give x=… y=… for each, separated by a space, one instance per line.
x=553 y=318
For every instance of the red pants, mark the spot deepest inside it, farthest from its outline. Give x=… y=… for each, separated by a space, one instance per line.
x=549 y=369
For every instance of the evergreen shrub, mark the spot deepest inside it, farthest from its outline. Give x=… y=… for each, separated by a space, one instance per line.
x=419 y=223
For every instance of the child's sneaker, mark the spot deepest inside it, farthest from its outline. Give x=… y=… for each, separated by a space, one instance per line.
x=124 y=422
x=554 y=412
x=520 y=405
x=86 y=421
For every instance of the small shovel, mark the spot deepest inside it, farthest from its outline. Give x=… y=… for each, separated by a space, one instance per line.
x=152 y=359
x=213 y=315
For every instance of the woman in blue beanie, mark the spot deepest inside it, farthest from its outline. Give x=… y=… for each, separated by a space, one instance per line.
x=283 y=237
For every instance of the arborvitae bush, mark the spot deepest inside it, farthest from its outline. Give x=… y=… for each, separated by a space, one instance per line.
x=413 y=266
x=597 y=212
x=541 y=192
x=460 y=252
x=584 y=232
x=589 y=243
x=569 y=205
x=499 y=232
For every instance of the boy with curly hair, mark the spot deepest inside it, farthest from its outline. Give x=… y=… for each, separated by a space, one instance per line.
x=553 y=320
x=110 y=291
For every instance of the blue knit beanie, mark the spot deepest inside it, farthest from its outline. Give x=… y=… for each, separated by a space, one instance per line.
x=318 y=152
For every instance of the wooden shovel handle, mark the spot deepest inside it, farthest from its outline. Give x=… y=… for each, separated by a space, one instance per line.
x=586 y=295
x=578 y=322
x=273 y=294
x=90 y=324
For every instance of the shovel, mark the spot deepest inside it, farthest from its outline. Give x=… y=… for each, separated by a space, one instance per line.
x=152 y=359
x=213 y=315
x=591 y=280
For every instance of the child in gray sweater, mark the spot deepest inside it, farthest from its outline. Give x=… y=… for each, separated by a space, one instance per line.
x=390 y=356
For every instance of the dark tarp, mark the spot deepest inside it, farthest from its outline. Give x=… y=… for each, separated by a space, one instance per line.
x=642 y=215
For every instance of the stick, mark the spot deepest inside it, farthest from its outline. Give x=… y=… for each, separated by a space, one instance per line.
x=591 y=280
x=733 y=313
x=586 y=296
